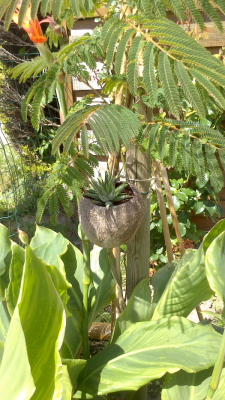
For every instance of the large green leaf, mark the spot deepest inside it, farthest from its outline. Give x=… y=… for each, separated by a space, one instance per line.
x=184 y=386
x=54 y=248
x=187 y=287
x=43 y=321
x=74 y=368
x=73 y=263
x=49 y=245
x=2 y=345
x=138 y=309
x=4 y=322
x=16 y=380
x=5 y=257
x=213 y=233
x=15 y=274
x=66 y=384
x=147 y=350
x=103 y=281
x=215 y=265
x=159 y=281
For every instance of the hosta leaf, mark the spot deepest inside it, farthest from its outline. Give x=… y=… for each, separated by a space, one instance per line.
x=4 y=322
x=145 y=351
x=215 y=269
x=103 y=281
x=184 y=386
x=43 y=321
x=49 y=246
x=176 y=299
x=73 y=263
x=213 y=233
x=138 y=309
x=15 y=363
x=6 y=252
x=159 y=281
x=15 y=274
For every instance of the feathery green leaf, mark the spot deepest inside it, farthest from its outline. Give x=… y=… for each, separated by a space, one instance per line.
x=189 y=88
x=169 y=85
x=133 y=64
x=149 y=76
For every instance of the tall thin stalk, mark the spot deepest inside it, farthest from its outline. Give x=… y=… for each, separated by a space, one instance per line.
x=86 y=283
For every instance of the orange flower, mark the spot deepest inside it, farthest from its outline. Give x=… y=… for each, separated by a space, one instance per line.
x=32 y=27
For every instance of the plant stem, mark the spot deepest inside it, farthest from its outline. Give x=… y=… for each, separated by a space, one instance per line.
x=62 y=99
x=86 y=284
x=162 y=208
x=214 y=382
x=119 y=290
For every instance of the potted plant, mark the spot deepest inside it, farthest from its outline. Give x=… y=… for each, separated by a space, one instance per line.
x=110 y=211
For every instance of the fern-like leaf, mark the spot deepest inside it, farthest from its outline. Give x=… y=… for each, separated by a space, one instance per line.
x=41 y=205
x=196 y=15
x=9 y=13
x=30 y=94
x=169 y=85
x=113 y=41
x=3 y=7
x=36 y=110
x=120 y=54
x=186 y=151
x=222 y=157
x=216 y=176
x=149 y=76
x=54 y=208
x=153 y=135
x=29 y=68
x=23 y=10
x=220 y=4
x=213 y=14
x=44 y=6
x=189 y=89
x=178 y=9
x=173 y=143
x=75 y=7
x=108 y=30
x=42 y=92
x=133 y=64
x=34 y=8
x=198 y=160
x=84 y=141
x=57 y=8
x=162 y=142
x=64 y=199
x=122 y=125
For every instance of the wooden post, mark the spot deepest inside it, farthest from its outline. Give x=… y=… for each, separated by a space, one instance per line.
x=138 y=247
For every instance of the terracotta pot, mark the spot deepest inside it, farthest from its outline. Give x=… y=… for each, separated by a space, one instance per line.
x=113 y=226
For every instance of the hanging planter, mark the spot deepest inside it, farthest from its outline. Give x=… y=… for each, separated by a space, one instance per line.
x=112 y=225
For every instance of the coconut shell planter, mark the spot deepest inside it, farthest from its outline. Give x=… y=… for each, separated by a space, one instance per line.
x=113 y=226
